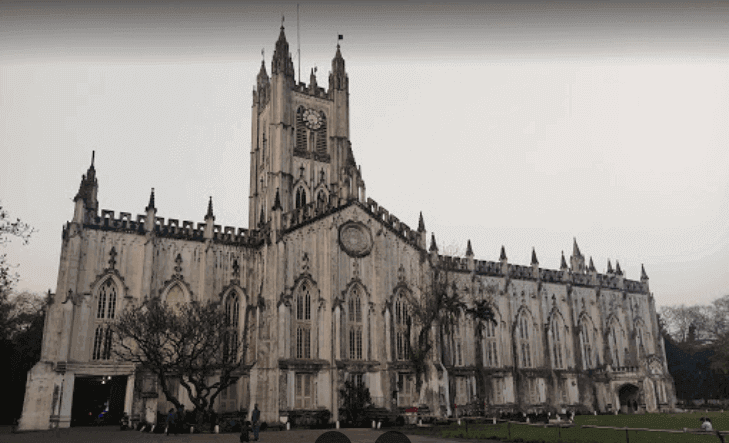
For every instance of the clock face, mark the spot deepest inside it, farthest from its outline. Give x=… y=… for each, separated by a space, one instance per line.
x=312 y=119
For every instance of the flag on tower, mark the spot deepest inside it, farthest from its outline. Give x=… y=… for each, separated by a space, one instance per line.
x=341 y=37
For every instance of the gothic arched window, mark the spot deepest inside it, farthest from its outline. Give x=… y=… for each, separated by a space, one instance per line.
x=587 y=340
x=105 y=313
x=615 y=343
x=457 y=339
x=523 y=339
x=402 y=324
x=490 y=344
x=557 y=347
x=232 y=317
x=300 y=130
x=300 y=197
x=303 y=321
x=321 y=198
x=354 y=308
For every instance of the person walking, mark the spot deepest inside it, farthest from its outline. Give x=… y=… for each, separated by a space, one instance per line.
x=256 y=419
x=170 y=422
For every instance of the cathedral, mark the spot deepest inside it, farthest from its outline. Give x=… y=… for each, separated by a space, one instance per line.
x=322 y=279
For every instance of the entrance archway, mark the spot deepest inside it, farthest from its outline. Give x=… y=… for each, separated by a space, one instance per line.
x=98 y=400
x=628 y=394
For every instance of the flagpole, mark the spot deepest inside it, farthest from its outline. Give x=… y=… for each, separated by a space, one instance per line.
x=298 y=39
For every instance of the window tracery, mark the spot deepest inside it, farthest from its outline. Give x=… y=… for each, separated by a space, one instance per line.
x=355 y=320
x=105 y=313
x=303 y=321
x=402 y=323
x=489 y=345
x=524 y=335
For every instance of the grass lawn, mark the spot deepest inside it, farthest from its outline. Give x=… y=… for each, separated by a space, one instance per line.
x=584 y=435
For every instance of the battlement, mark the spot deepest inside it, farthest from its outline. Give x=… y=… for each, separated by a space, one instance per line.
x=392 y=222
x=309 y=90
x=172 y=229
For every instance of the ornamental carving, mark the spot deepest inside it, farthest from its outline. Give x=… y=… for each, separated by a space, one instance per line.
x=355 y=239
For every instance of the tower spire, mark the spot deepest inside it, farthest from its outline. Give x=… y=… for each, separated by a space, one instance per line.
x=433 y=246
x=534 y=258
x=281 y=62
x=563 y=262
x=210 y=209
x=150 y=206
x=421 y=223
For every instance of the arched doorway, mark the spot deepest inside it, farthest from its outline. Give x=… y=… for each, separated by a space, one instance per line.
x=628 y=398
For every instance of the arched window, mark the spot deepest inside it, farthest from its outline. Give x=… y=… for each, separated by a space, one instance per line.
x=321 y=136
x=175 y=296
x=523 y=340
x=557 y=347
x=300 y=197
x=321 y=198
x=303 y=321
x=354 y=309
x=402 y=323
x=615 y=343
x=457 y=338
x=490 y=345
x=232 y=317
x=105 y=313
x=300 y=130
x=587 y=340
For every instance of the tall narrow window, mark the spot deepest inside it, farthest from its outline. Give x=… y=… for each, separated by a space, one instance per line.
x=300 y=197
x=457 y=345
x=303 y=321
x=402 y=320
x=303 y=391
x=615 y=343
x=300 y=130
x=405 y=390
x=490 y=345
x=105 y=313
x=586 y=343
x=524 y=334
x=557 y=342
x=232 y=311
x=355 y=324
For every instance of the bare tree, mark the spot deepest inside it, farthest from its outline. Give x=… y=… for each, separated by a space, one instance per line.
x=194 y=343
x=9 y=229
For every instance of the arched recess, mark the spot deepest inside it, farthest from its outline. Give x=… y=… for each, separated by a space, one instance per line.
x=525 y=339
x=176 y=292
x=643 y=340
x=322 y=195
x=616 y=339
x=107 y=303
x=588 y=342
x=558 y=340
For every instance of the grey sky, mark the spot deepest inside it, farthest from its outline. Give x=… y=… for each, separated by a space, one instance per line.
x=523 y=124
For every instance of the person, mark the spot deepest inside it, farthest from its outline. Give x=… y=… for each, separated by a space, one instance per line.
x=256 y=419
x=706 y=425
x=244 y=432
x=170 y=422
x=181 y=420
x=124 y=422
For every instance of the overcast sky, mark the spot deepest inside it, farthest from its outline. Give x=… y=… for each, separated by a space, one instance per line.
x=518 y=124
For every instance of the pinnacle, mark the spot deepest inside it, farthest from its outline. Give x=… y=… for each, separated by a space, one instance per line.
x=469 y=249
x=433 y=246
x=592 y=265
x=151 y=201
x=534 y=257
x=609 y=267
x=575 y=249
x=277 y=202
x=210 y=209
x=618 y=271
x=503 y=253
x=643 y=275
x=421 y=224
x=563 y=263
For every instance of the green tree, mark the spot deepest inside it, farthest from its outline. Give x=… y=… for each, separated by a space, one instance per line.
x=355 y=399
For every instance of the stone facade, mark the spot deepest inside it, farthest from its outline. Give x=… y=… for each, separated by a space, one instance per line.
x=322 y=275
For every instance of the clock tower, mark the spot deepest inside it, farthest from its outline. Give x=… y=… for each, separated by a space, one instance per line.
x=300 y=143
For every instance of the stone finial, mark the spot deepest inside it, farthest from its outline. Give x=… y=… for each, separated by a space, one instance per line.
x=502 y=257
x=591 y=267
x=535 y=262
x=643 y=275
x=618 y=271
x=210 y=210
x=610 y=267
x=112 y=258
x=469 y=249
x=433 y=246
x=277 y=202
x=262 y=219
x=150 y=206
x=563 y=262
x=421 y=223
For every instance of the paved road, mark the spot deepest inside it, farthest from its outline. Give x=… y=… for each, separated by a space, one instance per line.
x=112 y=434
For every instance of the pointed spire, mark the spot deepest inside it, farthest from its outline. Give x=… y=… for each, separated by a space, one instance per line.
x=88 y=187
x=534 y=258
x=277 y=202
x=610 y=267
x=469 y=249
x=563 y=263
x=150 y=206
x=433 y=246
x=591 y=268
x=338 y=77
x=421 y=223
x=281 y=62
x=312 y=80
x=262 y=78
x=618 y=271
x=503 y=253
x=210 y=209
x=643 y=275
x=575 y=249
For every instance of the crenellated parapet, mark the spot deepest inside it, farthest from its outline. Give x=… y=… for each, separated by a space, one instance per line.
x=173 y=228
x=392 y=223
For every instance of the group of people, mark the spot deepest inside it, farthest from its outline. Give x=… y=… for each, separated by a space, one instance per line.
x=175 y=420
x=247 y=426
